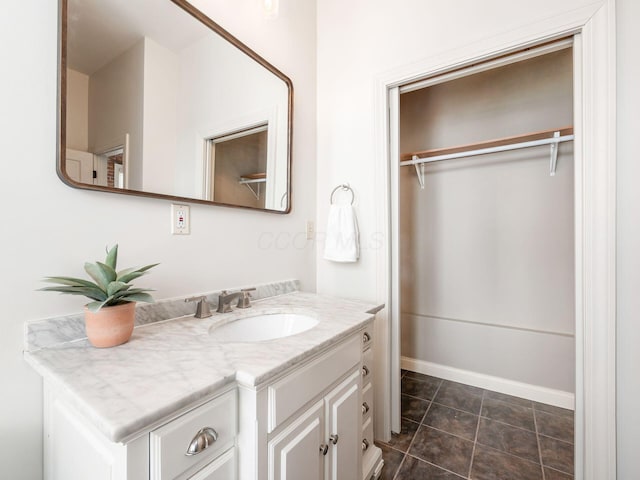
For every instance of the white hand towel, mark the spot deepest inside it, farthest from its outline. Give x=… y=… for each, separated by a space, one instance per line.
x=342 y=243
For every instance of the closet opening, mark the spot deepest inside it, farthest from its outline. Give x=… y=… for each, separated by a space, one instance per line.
x=486 y=265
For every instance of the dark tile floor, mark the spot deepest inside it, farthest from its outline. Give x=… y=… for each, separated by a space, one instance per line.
x=452 y=431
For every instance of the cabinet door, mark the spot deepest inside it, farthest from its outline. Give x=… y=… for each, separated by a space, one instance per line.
x=344 y=426
x=298 y=451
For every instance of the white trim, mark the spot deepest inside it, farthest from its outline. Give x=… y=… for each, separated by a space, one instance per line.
x=382 y=327
x=395 y=301
x=595 y=130
x=596 y=257
x=536 y=393
x=229 y=128
x=490 y=65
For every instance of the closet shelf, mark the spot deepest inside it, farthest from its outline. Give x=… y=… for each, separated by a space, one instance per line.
x=550 y=137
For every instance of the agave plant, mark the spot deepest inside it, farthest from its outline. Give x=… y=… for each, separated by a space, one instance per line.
x=109 y=287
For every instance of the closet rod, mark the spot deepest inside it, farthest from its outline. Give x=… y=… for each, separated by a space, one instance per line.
x=493 y=146
x=526 y=137
x=484 y=151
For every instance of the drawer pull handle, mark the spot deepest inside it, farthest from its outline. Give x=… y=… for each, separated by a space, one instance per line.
x=365 y=371
x=365 y=407
x=203 y=439
x=324 y=448
x=365 y=445
x=334 y=438
x=366 y=337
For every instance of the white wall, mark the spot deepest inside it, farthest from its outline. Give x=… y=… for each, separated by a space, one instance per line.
x=357 y=41
x=160 y=108
x=56 y=228
x=116 y=108
x=77 y=110
x=360 y=41
x=487 y=247
x=222 y=102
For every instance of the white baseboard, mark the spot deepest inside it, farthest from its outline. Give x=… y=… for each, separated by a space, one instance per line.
x=536 y=393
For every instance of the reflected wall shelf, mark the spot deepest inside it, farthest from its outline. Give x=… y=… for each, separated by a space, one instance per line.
x=253 y=179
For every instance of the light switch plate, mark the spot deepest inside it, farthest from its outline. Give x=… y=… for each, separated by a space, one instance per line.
x=310 y=230
x=180 y=221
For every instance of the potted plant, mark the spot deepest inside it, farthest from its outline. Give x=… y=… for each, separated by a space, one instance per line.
x=110 y=317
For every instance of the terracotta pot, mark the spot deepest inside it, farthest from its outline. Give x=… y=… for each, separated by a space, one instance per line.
x=110 y=326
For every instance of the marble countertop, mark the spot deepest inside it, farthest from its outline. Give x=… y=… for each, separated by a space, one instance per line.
x=169 y=365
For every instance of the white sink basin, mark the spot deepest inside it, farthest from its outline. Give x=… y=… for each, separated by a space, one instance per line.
x=267 y=326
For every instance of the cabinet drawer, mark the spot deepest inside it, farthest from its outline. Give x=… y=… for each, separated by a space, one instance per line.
x=223 y=468
x=214 y=424
x=292 y=392
x=367 y=366
x=367 y=401
x=367 y=336
x=367 y=437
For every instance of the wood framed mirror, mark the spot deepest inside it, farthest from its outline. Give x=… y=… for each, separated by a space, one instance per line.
x=158 y=100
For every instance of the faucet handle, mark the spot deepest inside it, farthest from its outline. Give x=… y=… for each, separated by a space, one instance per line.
x=202 y=308
x=244 y=300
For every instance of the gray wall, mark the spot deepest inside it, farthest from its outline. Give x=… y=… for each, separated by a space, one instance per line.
x=487 y=255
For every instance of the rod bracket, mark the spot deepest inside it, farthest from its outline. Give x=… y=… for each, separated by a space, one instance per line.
x=554 y=156
x=419 y=171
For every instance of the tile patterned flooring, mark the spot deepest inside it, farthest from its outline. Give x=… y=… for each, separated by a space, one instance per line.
x=452 y=431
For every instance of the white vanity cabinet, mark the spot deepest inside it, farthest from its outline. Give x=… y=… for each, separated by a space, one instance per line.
x=321 y=443
x=312 y=421
x=306 y=414
x=371 y=455
x=198 y=445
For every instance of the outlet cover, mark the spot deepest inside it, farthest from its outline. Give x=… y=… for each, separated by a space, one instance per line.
x=180 y=221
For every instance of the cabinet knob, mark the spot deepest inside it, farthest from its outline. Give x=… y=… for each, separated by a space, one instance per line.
x=366 y=337
x=203 y=439
x=334 y=438
x=365 y=445
x=365 y=407
x=324 y=448
x=365 y=371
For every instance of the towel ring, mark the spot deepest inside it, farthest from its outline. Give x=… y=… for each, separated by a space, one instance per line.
x=344 y=187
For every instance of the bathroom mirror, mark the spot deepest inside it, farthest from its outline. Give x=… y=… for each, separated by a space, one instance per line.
x=156 y=99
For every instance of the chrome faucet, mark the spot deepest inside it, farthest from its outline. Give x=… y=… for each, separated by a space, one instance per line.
x=225 y=298
x=202 y=308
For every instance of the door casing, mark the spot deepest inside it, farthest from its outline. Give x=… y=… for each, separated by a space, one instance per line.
x=593 y=28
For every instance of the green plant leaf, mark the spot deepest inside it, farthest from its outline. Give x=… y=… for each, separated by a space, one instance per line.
x=95 y=306
x=130 y=274
x=140 y=297
x=109 y=272
x=112 y=257
x=115 y=287
x=70 y=281
x=125 y=294
x=109 y=287
x=103 y=274
x=92 y=293
x=98 y=275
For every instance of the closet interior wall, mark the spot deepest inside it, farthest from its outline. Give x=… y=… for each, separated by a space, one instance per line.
x=487 y=247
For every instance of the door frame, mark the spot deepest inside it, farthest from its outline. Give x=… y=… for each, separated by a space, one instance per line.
x=593 y=28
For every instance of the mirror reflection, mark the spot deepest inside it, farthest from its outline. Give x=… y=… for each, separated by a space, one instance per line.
x=158 y=100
